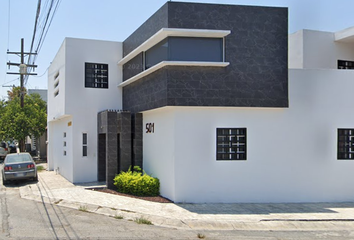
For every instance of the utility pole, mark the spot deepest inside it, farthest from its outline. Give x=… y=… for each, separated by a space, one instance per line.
x=23 y=69
x=23 y=72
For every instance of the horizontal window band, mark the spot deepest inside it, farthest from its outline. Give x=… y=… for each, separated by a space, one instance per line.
x=175 y=32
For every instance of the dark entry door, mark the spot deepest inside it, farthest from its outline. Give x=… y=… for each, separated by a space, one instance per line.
x=101 y=157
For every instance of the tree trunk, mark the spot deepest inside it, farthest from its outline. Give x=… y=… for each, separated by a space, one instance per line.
x=22 y=145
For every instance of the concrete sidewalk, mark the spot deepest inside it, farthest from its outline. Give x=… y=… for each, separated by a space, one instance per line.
x=54 y=189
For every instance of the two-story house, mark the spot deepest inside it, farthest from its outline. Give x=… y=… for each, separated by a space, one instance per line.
x=201 y=97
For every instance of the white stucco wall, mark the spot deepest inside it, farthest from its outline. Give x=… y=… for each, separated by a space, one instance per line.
x=60 y=162
x=296 y=50
x=82 y=104
x=56 y=105
x=159 y=149
x=291 y=153
x=317 y=50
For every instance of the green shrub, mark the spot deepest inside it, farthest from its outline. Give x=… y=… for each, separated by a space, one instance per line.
x=137 y=183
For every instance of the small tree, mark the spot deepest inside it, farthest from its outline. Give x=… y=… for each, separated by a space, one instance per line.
x=18 y=123
x=15 y=92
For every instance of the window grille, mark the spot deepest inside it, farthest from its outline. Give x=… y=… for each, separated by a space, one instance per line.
x=345 y=144
x=342 y=64
x=96 y=75
x=231 y=144
x=84 y=144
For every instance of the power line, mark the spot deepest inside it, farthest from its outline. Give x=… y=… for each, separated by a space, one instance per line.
x=42 y=74
x=8 y=27
x=12 y=81
x=43 y=22
x=35 y=23
x=50 y=23
x=8 y=37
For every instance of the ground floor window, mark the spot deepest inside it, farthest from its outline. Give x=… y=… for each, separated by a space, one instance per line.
x=231 y=144
x=345 y=144
x=343 y=64
x=84 y=144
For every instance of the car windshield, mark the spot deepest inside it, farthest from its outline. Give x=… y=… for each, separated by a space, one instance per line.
x=3 y=145
x=18 y=158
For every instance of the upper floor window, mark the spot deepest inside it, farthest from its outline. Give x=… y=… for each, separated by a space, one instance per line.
x=345 y=144
x=345 y=64
x=231 y=144
x=56 y=75
x=185 y=49
x=96 y=75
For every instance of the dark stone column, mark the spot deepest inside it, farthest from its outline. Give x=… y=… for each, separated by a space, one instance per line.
x=111 y=149
x=124 y=130
x=138 y=139
x=120 y=146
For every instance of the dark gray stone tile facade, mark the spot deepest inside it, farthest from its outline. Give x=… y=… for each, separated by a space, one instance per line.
x=157 y=21
x=120 y=143
x=134 y=67
x=137 y=130
x=120 y=139
x=257 y=50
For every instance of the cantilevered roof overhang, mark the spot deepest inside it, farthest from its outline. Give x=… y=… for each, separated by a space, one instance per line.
x=346 y=35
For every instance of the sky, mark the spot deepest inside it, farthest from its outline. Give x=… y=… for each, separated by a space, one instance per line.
x=115 y=20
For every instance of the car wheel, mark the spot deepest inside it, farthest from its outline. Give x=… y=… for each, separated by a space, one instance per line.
x=35 y=178
x=4 y=182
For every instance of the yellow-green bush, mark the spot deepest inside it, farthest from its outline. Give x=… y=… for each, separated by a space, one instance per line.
x=137 y=183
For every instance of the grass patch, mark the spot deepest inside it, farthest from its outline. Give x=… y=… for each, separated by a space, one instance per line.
x=40 y=168
x=201 y=236
x=83 y=209
x=142 y=221
x=118 y=217
x=57 y=202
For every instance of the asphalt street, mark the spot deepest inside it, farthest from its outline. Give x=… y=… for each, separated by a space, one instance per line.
x=28 y=219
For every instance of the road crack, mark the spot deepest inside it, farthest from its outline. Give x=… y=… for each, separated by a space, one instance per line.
x=4 y=212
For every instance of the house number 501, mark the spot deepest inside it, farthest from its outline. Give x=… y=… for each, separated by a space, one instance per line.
x=150 y=128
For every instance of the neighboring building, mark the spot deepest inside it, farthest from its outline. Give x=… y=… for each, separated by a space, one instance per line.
x=41 y=92
x=38 y=146
x=210 y=107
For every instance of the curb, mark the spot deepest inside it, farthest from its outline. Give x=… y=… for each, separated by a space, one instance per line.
x=198 y=224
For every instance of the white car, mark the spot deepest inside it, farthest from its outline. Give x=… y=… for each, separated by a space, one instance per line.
x=4 y=150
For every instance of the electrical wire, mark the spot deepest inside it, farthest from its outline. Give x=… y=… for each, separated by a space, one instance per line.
x=43 y=22
x=42 y=74
x=11 y=81
x=8 y=41
x=8 y=27
x=35 y=24
x=50 y=23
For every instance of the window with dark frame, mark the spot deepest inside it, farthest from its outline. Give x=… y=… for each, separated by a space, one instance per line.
x=96 y=75
x=343 y=64
x=84 y=144
x=345 y=149
x=185 y=49
x=231 y=144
